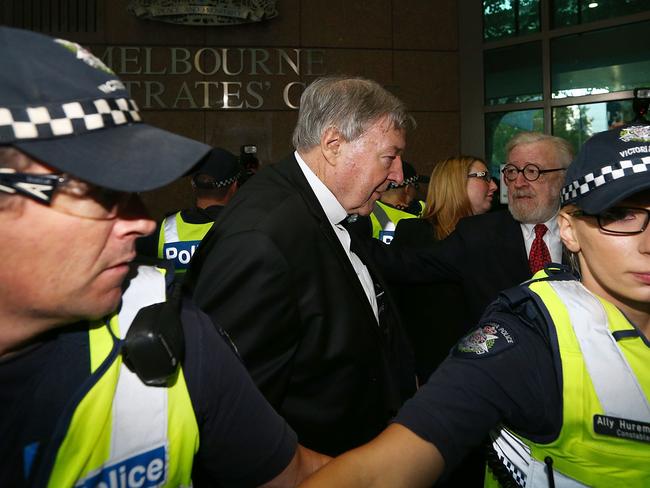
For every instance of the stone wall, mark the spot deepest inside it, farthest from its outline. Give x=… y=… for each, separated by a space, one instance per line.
x=410 y=46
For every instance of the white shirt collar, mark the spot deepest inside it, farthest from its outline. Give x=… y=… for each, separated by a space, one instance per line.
x=551 y=224
x=335 y=214
x=331 y=206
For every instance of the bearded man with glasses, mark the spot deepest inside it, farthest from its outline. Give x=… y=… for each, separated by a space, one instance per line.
x=496 y=250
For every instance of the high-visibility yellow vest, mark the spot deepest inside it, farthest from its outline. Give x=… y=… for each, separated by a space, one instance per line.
x=605 y=435
x=384 y=219
x=123 y=433
x=178 y=240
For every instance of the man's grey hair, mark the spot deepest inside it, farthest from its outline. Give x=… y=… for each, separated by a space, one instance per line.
x=351 y=105
x=563 y=148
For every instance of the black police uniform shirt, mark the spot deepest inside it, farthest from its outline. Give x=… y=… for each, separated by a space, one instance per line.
x=503 y=371
x=243 y=442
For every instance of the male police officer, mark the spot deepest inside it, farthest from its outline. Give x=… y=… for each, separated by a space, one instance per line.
x=398 y=202
x=214 y=181
x=72 y=151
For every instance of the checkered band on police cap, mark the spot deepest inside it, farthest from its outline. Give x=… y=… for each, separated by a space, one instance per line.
x=407 y=181
x=65 y=108
x=221 y=166
x=410 y=176
x=610 y=166
x=66 y=119
x=607 y=174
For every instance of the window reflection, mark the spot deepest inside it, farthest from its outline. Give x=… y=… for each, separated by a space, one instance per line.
x=577 y=123
x=574 y=12
x=513 y=74
x=594 y=62
x=501 y=126
x=507 y=18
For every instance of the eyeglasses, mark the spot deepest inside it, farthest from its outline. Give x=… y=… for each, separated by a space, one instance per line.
x=66 y=194
x=620 y=220
x=531 y=171
x=483 y=175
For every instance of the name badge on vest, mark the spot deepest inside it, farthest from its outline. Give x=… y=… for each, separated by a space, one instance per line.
x=622 y=428
x=180 y=253
x=386 y=236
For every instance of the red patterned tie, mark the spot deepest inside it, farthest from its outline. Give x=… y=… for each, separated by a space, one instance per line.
x=539 y=255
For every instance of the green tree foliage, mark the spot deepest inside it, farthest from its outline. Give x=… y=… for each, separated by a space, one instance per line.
x=507 y=18
x=501 y=127
x=573 y=124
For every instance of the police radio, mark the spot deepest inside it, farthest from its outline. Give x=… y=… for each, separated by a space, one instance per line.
x=154 y=345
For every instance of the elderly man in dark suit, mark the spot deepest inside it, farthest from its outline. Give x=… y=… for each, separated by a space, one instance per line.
x=498 y=250
x=304 y=306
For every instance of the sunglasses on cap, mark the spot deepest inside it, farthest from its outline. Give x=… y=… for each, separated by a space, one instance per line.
x=66 y=194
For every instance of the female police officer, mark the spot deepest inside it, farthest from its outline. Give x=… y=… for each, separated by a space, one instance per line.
x=558 y=370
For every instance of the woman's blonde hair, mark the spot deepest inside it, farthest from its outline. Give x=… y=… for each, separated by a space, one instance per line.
x=447 y=200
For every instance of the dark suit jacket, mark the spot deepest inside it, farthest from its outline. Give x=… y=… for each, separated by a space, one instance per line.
x=433 y=314
x=274 y=275
x=485 y=254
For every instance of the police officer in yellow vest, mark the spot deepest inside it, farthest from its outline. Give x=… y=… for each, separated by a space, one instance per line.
x=214 y=181
x=558 y=370
x=103 y=383
x=396 y=203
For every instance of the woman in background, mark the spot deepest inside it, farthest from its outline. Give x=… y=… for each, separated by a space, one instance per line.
x=459 y=187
